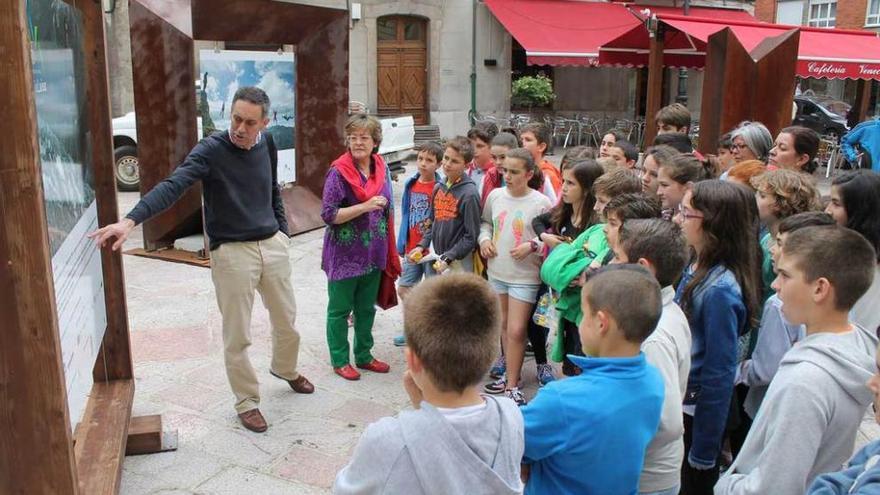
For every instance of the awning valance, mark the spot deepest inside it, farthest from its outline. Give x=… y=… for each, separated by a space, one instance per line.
x=829 y=53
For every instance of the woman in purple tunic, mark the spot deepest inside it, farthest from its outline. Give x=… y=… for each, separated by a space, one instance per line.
x=357 y=245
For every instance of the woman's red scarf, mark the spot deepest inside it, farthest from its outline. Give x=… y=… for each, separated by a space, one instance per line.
x=363 y=192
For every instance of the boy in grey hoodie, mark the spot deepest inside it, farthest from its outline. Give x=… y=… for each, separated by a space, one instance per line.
x=808 y=421
x=861 y=475
x=456 y=441
x=455 y=212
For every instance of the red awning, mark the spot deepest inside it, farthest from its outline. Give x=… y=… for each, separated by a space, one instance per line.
x=560 y=32
x=838 y=54
x=565 y=32
x=829 y=53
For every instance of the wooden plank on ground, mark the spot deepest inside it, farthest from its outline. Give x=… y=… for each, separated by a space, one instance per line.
x=145 y=435
x=99 y=445
x=173 y=255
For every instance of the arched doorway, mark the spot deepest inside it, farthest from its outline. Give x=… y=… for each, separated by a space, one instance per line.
x=403 y=67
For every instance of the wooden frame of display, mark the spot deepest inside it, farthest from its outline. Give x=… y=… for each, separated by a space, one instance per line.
x=39 y=452
x=162 y=35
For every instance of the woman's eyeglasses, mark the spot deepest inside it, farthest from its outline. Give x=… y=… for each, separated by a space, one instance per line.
x=687 y=212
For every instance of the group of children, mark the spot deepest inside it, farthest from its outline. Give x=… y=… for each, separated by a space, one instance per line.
x=716 y=326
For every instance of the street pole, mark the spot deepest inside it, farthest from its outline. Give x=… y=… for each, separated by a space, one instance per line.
x=682 y=72
x=473 y=111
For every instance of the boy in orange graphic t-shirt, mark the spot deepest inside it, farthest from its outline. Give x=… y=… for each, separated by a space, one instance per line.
x=455 y=215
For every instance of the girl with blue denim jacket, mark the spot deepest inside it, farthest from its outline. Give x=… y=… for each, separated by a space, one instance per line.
x=720 y=293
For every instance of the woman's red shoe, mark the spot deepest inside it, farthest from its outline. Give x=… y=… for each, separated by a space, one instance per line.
x=348 y=372
x=375 y=366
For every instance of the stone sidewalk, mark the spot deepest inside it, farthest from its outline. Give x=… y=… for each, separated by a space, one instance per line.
x=177 y=350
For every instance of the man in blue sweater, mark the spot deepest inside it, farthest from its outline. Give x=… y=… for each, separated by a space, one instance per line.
x=588 y=434
x=247 y=228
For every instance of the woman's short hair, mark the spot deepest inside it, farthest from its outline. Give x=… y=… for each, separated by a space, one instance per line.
x=362 y=121
x=756 y=137
x=792 y=192
x=745 y=171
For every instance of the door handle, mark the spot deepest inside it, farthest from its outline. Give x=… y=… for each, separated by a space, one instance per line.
x=394 y=124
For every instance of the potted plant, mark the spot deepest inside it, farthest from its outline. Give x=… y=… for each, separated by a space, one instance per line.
x=532 y=91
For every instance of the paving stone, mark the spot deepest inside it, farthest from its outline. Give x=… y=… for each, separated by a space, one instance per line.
x=311 y=467
x=238 y=480
x=186 y=467
x=189 y=396
x=189 y=342
x=361 y=411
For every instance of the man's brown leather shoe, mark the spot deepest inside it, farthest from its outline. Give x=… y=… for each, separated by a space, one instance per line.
x=253 y=420
x=301 y=385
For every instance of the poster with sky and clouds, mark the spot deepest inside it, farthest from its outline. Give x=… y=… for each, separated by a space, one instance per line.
x=223 y=72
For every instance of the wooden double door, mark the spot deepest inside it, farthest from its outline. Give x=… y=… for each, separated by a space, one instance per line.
x=403 y=67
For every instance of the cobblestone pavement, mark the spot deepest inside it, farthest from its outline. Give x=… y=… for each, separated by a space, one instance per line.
x=177 y=350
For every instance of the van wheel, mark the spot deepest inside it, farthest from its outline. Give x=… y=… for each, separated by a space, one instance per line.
x=127 y=174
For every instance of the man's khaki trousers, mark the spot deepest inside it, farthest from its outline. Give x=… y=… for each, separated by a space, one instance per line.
x=237 y=269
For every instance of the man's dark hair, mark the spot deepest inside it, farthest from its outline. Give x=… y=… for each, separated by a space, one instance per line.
x=725 y=142
x=505 y=139
x=676 y=115
x=629 y=150
x=574 y=155
x=629 y=295
x=658 y=241
x=631 y=206
x=432 y=147
x=462 y=146
x=540 y=130
x=484 y=131
x=838 y=254
x=806 y=219
x=681 y=142
x=255 y=95
x=452 y=323
x=617 y=182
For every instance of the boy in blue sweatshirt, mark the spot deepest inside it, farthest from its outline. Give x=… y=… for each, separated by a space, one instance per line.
x=587 y=434
x=415 y=211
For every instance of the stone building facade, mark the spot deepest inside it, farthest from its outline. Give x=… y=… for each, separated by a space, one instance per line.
x=432 y=58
